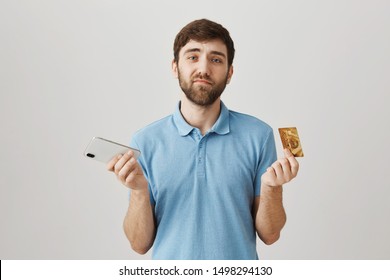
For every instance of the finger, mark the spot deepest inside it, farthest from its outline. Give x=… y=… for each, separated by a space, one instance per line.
x=269 y=176
x=273 y=174
x=127 y=168
x=122 y=161
x=282 y=170
x=278 y=169
x=294 y=164
x=271 y=171
x=285 y=163
x=110 y=165
x=287 y=153
x=132 y=175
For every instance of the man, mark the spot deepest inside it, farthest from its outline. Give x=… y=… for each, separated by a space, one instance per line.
x=207 y=179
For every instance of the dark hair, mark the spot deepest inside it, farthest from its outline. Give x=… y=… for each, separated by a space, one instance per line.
x=203 y=30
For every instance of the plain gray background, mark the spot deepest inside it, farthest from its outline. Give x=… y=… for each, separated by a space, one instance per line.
x=71 y=70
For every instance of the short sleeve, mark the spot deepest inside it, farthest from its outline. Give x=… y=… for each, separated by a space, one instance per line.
x=267 y=158
x=142 y=162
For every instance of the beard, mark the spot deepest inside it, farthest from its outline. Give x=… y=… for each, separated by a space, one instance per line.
x=202 y=95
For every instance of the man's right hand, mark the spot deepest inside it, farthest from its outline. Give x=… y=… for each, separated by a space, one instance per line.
x=128 y=171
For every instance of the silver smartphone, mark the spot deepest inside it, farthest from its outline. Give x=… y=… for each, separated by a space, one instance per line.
x=104 y=150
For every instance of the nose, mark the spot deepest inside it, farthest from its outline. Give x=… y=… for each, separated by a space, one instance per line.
x=204 y=67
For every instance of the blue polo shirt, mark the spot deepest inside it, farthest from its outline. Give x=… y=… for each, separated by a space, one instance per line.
x=203 y=187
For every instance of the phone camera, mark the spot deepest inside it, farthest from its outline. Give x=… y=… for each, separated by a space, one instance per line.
x=90 y=155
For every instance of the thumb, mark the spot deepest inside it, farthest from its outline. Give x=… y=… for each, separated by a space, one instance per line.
x=287 y=153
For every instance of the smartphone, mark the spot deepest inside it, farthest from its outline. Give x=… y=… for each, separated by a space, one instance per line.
x=104 y=150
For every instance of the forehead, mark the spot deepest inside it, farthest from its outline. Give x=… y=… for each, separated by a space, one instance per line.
x=206 y=46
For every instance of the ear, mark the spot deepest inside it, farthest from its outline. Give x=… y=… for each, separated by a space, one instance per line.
x=175 y=71
x=230 y=74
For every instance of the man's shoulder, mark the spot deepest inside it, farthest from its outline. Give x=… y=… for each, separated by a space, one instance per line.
x=246 y=121
x=155 y=128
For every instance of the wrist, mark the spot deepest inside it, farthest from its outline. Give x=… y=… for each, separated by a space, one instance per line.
x=143 y=191
x=271 y=189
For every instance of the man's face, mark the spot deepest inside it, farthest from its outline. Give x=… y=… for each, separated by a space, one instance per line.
x=203 y=71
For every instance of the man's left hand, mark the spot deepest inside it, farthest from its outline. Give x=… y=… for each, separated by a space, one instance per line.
x=281 y=171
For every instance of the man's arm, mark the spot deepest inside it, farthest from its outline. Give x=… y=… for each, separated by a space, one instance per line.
x=139 y=224
x=268 y=209
x=269 y=213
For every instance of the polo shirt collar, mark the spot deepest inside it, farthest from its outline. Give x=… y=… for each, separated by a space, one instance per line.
x=183 y=127
x=221 y=126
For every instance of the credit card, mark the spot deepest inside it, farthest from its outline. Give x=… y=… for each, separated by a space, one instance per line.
x=290 y=140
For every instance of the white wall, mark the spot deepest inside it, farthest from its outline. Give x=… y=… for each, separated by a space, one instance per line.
x=70 y=70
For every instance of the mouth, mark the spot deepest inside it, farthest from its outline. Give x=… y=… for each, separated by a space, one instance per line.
x=203 y=82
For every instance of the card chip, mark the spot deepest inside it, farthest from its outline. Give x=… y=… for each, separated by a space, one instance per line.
x=290 y=140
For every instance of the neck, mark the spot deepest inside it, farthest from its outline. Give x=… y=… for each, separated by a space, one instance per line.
x=201 y=117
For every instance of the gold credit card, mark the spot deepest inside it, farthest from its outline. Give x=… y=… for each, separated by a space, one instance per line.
x=290 y=140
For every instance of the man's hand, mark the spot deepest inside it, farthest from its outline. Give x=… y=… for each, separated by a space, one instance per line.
x=139 y=223
x=128 y=171
x=281 y=171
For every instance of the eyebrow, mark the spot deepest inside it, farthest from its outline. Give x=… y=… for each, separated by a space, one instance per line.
x=198 y=50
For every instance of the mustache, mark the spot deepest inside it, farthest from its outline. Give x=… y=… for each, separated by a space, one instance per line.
x=202 y=77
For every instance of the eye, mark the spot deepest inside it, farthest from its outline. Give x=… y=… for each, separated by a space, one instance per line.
x=192 y=57
x=216 y=60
